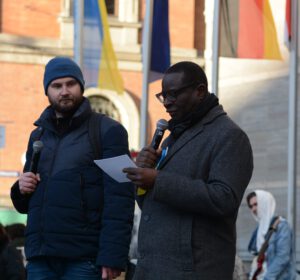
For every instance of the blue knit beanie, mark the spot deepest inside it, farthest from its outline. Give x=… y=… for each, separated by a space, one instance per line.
x=61 y=67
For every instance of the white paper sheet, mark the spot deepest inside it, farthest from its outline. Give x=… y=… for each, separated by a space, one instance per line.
x=114 y=166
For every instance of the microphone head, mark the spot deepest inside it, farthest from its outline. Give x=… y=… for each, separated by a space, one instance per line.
x=162 y=124
x=37 y=146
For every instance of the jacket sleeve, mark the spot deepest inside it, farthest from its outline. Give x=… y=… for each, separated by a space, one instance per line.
x=283 y=247
x=20 y=201
x=118 y=209
x=220 y=193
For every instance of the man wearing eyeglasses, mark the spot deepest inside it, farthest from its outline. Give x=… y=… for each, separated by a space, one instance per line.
x=271 y=241
x=191 y=199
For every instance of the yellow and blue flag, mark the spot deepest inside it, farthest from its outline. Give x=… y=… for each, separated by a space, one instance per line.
x=99 y=62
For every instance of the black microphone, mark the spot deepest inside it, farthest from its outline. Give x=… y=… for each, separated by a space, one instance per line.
x=37 y=148
x=161 y=126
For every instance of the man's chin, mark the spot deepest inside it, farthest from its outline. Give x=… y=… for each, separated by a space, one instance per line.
x=67 y=107
x=66 y=102
x=66 y=110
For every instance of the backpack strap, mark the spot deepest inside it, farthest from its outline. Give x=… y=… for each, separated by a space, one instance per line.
x=274 y=223
x=94 y=127
x=273 y=227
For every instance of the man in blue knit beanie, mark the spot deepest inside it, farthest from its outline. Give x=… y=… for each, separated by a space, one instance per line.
x=60 y=67
x=79 y=219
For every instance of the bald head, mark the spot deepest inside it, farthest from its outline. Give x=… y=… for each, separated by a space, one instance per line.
x=192 y=72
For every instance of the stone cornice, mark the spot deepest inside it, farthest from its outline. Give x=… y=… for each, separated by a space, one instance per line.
x=21 y=49
x=115 y=22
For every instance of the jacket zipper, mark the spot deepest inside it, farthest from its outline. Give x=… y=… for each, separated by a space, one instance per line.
x=44 y=194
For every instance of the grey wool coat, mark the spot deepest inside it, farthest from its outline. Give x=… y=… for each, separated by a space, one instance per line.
x=187 y=229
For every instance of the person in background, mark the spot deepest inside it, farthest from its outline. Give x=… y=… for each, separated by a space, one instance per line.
x=11 y=262
x=190 y=192
x=279 y=260
x=16 y=233
x=79 y=219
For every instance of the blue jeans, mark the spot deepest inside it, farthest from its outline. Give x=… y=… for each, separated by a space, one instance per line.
x=51 y=268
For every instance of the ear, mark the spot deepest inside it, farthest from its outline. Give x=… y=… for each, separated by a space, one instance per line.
x=202 y=91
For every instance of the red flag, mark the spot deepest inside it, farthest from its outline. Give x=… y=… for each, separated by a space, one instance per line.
x=287 y=24
x=248 y=30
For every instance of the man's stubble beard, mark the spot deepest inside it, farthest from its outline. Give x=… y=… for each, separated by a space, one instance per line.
x=66 y=110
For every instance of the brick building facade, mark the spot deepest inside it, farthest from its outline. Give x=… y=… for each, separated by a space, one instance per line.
x=253 y=92
x=32 y=32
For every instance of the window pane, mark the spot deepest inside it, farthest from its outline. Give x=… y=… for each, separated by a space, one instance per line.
x=110 y=6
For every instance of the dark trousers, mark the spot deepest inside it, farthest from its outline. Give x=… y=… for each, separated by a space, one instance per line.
x=130 y=271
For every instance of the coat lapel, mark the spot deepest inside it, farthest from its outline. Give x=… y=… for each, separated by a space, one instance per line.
x=192 y=132
x=181 y=142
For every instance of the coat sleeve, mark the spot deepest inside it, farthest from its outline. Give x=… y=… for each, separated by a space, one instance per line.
x=220 y=193
x=20 y=201
x=118 y=210
x=283 y=247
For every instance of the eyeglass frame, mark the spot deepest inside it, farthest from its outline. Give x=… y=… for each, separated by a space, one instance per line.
x=174 y=93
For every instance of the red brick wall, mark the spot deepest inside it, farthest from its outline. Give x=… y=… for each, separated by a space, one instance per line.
x=22 y=96
x=199 y=26
x=22 y=100
x=31 y=18
x=156 y=111
x=181 y=20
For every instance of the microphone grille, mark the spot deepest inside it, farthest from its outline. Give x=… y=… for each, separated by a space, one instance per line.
x=162 y=124
x=37 y=146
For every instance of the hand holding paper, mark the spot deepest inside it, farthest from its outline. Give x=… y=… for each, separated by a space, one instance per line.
x=142 y=177
x=114 y=167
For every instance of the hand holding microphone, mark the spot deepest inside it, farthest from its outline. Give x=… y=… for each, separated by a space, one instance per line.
x=149 y=155
x=161 y=126
x=37 y=148
x=28 y=180
x=144 y=176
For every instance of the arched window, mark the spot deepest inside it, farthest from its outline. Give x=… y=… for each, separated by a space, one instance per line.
x=120 y=107
x=101 y=104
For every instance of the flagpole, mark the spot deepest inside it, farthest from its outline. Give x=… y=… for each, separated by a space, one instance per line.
x=146 y=60
x=292 y=128
x=215 y=48
x=78 y=31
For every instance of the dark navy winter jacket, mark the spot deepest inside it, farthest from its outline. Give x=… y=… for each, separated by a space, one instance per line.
x=77 y=211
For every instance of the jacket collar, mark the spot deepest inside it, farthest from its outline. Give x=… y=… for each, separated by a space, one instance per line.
x=81 y=114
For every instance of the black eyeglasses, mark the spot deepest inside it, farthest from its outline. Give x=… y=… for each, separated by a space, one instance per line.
x=172 y=95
